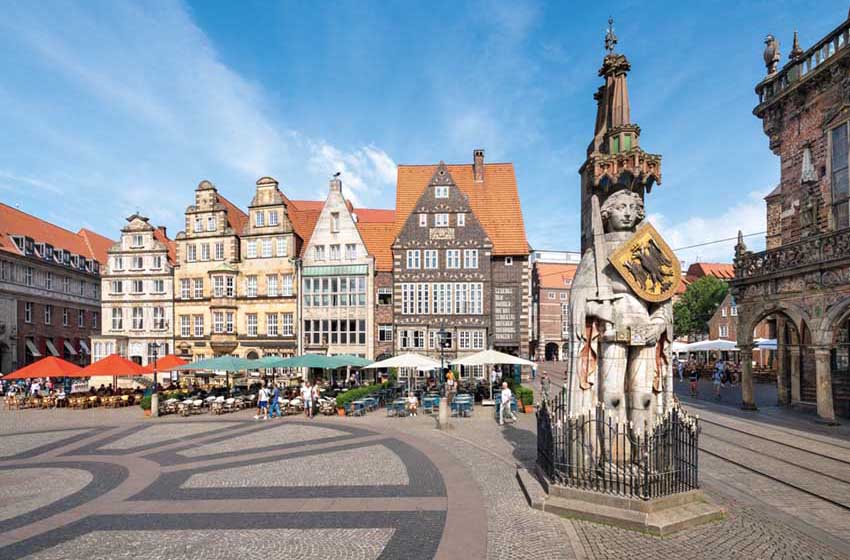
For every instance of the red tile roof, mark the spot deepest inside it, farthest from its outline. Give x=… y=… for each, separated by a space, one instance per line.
x=723 y=271
x=85 y=242
x=378 y=237
x=160 y=235
x=236 y=218
x=495 y=201
x=555 y=276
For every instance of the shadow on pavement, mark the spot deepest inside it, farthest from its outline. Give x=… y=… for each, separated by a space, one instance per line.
x=524 y=444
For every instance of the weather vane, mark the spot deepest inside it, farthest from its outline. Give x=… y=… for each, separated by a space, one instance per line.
x=610 y=38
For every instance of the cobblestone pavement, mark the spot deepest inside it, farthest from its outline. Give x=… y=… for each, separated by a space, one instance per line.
x=401 y=488
x=232 y=487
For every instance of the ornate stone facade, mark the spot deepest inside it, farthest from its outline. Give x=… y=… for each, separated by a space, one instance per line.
x=138 y=298
x=803 y=278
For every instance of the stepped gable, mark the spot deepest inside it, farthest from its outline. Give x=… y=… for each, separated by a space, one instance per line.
x=494 y=199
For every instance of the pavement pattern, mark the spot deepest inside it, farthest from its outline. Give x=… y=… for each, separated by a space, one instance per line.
x=229 y=488
x=119 y=486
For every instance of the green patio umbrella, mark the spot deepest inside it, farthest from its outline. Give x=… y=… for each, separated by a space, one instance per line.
x=353 y=361
x=226 y=363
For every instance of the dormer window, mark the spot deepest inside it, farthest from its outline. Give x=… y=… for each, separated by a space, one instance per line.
x=441 y=192
x=75 y=261
x=58 y=255
x=39 y=249
x=19 y=242
x=48 y=252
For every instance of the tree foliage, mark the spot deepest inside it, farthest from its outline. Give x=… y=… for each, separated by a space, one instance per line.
x=699 y=302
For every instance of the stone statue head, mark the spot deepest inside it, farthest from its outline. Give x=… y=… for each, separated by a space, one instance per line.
x=622 y=211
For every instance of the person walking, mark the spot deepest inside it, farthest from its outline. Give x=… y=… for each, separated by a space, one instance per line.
x=717 y=380
x=534 y=372
x=693 y=377
x=505 y=407
x=307 y=397
x=274 y=405
x=262 y=404
x=545 y=386
x=314 y=399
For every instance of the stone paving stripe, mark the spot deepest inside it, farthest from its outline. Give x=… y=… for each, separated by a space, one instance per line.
x=275 y=505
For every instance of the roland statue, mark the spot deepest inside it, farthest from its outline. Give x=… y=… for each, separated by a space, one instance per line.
x=621 y=316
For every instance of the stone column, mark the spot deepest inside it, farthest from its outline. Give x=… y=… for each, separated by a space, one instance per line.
x=748 y=402
x=823 y=374
x=782 y=374
x=794 y=372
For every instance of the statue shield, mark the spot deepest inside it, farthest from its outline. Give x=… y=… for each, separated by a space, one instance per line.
x=648 y=265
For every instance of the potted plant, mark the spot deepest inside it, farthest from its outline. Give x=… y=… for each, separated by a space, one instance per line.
x=145 y=403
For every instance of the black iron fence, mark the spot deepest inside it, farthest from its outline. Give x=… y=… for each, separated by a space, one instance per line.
x=593 y=452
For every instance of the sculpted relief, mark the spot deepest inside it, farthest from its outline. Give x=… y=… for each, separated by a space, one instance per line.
x=621 y=314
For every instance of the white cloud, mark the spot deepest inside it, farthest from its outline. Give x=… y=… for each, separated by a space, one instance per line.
x=360 y=169
x=748 y=215
x=158 y=110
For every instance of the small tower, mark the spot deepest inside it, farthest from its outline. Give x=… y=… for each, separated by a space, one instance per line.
x=615 y=159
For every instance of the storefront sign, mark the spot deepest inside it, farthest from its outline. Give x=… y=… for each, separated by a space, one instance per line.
x=505 y=314
x=441 y=234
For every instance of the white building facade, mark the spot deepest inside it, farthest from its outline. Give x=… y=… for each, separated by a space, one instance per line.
x=137 y=306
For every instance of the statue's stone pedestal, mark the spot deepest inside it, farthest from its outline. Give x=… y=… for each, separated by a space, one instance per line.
x=659 y=516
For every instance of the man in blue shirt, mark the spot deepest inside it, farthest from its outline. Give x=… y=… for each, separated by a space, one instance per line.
x=274 y=405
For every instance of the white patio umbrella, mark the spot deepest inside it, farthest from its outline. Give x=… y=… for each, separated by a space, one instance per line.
x=489 y=358
x=708 y=345
x=407 y=360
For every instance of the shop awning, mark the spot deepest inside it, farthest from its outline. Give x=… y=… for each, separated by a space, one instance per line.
x=50 y=348
x=84 y=347
x=70 y=348
x=33 y=350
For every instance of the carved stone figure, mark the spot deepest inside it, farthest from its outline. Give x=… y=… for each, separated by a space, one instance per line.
x=621 y=351
x=772 y=56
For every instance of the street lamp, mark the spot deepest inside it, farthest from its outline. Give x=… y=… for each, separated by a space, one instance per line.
x=153 y=349
x=441 y=337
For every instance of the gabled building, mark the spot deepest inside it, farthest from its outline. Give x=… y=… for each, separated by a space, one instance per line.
x=460 y=260
x=267 y=289
x=206 y=276
x=337 y=283
x=49 y=290
x=137 y=294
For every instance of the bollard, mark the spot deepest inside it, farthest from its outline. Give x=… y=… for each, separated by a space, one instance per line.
x=444 y=413
x=154 y=404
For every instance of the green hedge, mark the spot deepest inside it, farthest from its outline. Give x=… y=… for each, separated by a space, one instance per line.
x=359 y=393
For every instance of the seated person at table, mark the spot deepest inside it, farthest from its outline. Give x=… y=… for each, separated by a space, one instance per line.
x=412 y=403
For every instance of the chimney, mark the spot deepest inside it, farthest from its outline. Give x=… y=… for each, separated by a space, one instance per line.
x=163 y=230
x=478 y=165
x=336 y=184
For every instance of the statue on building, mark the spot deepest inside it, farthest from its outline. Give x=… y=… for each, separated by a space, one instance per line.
x=772 y=56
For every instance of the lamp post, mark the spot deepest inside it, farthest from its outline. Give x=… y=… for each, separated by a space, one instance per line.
x=153 y=348
x=444 y=400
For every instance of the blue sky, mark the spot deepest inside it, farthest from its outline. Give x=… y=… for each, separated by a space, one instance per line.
x=109 y=107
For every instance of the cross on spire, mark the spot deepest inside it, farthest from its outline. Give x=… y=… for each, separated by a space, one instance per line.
x=610 y=38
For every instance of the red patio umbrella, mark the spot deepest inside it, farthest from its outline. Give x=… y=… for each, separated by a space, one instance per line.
x=112 y=365
x=166 y=363
x=47 y=367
